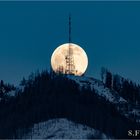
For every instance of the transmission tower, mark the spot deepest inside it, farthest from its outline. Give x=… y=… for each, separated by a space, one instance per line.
x=60 y=69
x=70 y=66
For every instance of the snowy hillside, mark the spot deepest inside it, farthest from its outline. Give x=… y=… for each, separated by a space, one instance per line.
x=110 y=95
x=62 y=128
x=102 y=91
x=99 y=88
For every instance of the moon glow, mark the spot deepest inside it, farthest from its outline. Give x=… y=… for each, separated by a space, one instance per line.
x=80 y=59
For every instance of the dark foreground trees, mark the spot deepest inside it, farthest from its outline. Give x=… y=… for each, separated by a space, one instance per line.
x=47 y=96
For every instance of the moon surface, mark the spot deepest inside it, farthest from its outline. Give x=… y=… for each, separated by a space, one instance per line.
x=80 y=59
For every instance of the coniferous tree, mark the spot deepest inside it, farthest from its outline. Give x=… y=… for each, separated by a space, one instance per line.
x=103 y=74
x=23 y=82
x=108 y=81
x=116 y=83
x=1 y=89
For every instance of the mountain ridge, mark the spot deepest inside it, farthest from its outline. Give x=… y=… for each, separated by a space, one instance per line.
x=83 y=100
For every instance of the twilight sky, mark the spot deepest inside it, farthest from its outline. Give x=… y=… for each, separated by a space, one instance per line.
x=109 y=32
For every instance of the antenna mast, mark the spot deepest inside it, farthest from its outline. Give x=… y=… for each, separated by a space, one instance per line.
x=70 y=67
x=69 y=28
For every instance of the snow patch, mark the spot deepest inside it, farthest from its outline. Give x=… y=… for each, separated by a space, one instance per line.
x=62 y=129
x=13 y=93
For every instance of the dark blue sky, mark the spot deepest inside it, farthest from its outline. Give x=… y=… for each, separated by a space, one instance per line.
x=108 y=31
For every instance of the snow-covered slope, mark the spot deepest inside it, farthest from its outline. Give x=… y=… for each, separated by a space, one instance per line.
x=99 y=88
x=102 y=91
x=110 y=95
x=62 y=129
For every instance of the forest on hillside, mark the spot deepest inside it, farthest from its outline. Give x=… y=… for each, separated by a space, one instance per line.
x=47 y=95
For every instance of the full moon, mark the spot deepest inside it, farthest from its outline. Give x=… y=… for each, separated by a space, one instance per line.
x=78 y=58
